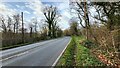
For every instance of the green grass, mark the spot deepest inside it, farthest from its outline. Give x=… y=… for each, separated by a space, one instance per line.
x=83 y=55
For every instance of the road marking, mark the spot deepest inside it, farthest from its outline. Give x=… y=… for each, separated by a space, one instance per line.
x=60 y=55
x=20 y=54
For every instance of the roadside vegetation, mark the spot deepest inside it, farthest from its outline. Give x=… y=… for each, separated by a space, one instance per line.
x=77 y=54
x=102 y=34
x=83 y=55
x=67 y=59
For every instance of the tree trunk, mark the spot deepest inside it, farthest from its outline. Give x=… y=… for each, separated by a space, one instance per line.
x=53 y=31
x=14 y=28
x=49 y=33
x=30 y=31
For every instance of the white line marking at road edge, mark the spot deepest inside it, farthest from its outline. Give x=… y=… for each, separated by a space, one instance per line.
x=60 y=54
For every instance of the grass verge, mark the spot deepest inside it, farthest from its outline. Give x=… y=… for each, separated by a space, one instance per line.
x=78 y=55
x=83 y=55
x=68 y=56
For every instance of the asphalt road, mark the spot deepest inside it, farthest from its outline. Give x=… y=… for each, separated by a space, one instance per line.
x=42 y=54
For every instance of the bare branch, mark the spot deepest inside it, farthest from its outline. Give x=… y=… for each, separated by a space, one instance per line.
x=80 y=6
x=81 y=21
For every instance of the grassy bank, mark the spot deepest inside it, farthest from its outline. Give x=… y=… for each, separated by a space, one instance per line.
x=67 y=59
x=78 y=55
x=83 y=55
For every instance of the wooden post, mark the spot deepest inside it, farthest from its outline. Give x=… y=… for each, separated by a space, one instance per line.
x=22 y=28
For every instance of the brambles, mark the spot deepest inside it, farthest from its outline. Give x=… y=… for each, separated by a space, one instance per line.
x=88 y=44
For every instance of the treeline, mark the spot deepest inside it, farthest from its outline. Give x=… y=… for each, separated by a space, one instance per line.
x=14 y=31
x=105 y=30
x=73 y=29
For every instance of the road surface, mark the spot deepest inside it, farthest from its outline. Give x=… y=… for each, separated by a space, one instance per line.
x=38 y=54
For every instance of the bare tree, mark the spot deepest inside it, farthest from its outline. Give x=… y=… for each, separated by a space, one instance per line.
x=108 y=13
x=35 y=22
x=82 y=9
x=31 y=29
x=51 y=15
x=3 y=25
x=17 y=22
x=9 y=24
